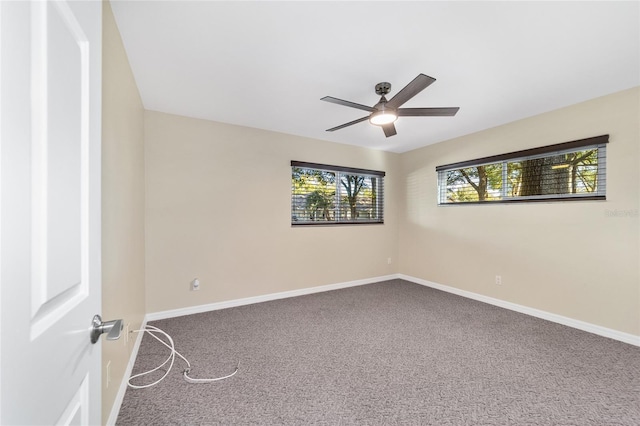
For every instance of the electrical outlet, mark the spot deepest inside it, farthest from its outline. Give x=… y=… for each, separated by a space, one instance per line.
x=195 y=285
x=498 y=280
x=108 y=378
x=388 y=261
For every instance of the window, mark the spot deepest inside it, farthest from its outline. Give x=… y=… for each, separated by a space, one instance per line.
x=332 y=195
x=568 y=171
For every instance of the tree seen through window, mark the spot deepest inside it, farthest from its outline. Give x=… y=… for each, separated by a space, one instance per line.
x=562 y=174
x=327 y=196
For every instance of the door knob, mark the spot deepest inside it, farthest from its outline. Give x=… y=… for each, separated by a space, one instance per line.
x=112 y=328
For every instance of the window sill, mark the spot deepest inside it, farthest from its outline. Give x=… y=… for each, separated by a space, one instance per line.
x=530 y=200
x=341 y=223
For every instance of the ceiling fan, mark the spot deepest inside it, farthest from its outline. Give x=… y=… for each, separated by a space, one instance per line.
x=385 y=113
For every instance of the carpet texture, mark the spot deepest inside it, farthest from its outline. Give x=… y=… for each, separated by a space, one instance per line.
x=385 y=354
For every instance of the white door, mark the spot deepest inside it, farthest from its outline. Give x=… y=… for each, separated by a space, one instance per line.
x=50 y=112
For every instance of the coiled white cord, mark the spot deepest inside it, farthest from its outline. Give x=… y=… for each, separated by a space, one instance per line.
x=149 y=329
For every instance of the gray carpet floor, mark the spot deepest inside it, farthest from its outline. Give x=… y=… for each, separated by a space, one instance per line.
x=386 y=354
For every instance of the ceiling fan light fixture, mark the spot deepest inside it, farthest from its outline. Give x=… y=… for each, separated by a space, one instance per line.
x=382 y=117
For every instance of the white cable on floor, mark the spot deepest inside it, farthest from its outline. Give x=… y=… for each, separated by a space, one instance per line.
x=149 y=329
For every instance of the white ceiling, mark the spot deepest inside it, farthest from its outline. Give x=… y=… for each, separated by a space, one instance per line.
x=267 y=64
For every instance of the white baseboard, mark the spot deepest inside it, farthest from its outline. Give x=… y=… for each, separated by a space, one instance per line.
x=264 y=298
x=559 y=319
x=115 y=408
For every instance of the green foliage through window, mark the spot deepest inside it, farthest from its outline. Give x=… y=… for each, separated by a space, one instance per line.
x=570 y=173
x=323 y=195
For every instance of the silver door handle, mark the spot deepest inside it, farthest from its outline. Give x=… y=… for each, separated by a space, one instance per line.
x=112 y=328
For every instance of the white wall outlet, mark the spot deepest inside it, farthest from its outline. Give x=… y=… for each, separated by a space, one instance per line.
x=498 y=280
x=388 y=261
x=195 y=285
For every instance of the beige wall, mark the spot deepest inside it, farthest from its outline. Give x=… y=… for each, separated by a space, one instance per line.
x=219 y=208
x=575 y=259
x=122 y=204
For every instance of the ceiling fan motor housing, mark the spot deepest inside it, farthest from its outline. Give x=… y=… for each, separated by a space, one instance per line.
x=383 y=88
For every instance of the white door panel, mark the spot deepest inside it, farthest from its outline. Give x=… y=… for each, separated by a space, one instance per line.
x=50 y=114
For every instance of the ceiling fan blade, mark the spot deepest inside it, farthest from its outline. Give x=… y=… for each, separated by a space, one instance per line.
x=389 y=129
x=347 y=103
x=342 y=126
x=410 y=90
x=427 y=112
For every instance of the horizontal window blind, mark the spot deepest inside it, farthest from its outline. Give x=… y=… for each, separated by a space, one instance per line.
x=569 y=171
x=332 y=195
